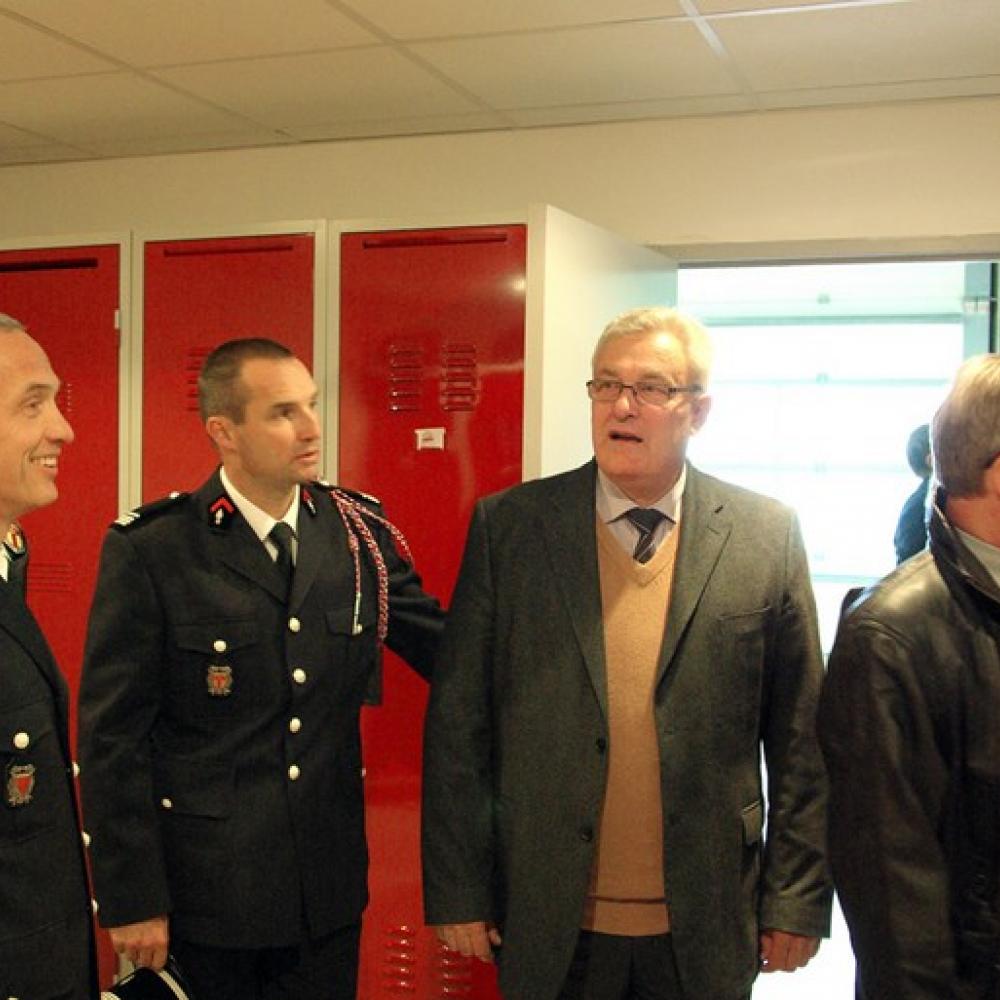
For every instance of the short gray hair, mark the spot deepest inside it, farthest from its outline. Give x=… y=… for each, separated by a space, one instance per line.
x=11 y=324
x=690 y=334
x=966 y=430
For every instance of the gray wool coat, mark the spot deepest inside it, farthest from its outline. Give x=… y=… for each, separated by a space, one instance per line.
x=516 y=737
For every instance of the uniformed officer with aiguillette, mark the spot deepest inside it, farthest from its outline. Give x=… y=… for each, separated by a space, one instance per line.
x=233 y=636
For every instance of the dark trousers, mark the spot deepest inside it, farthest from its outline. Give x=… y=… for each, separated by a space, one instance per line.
x=322 y=969
x=610 y=967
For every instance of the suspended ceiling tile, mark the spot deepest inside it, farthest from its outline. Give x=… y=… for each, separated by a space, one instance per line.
x=162 y=32
x=584 y=66
x=321 y=88
x=157 y=144
x=29 y=53
x=752 y=6
x=105 y=107
x=918 y=90
x=865 y=45
x=12 y=137
x=444 y=18
x=631 y=111
x=50 y=153
x=382 y=127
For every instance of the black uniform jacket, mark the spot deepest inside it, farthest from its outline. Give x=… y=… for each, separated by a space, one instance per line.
x=45 y=911
x=910 y=728
x=517 y=737
x=220 y=736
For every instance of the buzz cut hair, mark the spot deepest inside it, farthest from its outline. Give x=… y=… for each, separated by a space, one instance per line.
x=689 y=333
x=221 y=391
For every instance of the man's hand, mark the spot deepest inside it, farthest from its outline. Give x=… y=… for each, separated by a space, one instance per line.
x=144 y=943
x=475 y=940
x=781 y=951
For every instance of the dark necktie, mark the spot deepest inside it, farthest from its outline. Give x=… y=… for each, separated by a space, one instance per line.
x=281 y=536
x=645 y=519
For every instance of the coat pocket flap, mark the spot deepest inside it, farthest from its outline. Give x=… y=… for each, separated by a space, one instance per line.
x=191 y=787
x=217 y=637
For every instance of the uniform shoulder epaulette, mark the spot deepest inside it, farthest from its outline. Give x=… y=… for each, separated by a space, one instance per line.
x=147 y=510
x=353 y=494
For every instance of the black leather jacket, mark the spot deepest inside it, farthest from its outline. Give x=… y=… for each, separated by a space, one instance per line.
x=910 y=728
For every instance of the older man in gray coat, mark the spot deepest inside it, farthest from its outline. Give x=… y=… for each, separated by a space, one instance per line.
x=624 y=639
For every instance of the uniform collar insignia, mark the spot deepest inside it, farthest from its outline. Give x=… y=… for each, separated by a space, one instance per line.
x=221 y=511
x=14 y=539
x=308 y=501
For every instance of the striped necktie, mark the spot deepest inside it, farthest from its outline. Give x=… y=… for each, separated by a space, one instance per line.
x=645 y=520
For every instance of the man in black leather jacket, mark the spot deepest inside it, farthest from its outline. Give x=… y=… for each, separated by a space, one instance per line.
x=910 y=729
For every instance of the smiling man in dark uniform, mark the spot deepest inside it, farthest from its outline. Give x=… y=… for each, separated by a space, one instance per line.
x=45 y=917
x=233 y=636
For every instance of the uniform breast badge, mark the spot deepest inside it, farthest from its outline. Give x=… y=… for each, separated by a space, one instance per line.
x=219 y=680
x=20 y=784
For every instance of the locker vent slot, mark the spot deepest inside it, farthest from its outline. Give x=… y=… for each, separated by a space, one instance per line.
x=66 y=399
x=435 y=240
x=459 y=388
x=70 y=264
x=452 y=974
x=217 y=251
x=406 y=370
x=399 y=963
x=193 y=361
x=51 y=577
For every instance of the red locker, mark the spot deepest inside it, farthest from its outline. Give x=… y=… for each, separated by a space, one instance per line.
x=197 y=294
x=68 y=299
x=431 y=403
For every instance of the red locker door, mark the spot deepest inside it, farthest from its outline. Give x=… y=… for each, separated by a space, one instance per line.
x=431 y=402
x=68 y=299
x=199 y=293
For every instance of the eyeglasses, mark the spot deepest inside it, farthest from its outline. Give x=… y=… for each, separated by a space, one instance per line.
x=607 y=390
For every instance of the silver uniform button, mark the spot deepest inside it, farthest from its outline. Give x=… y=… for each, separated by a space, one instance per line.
x=294 y=725
x=21 y=741
x=220 y=645
x=85 y=837
x=294 y=772
x=299 y=675
x=94 y=905
x=76 y=769
x=294 y=625
x=167 y=803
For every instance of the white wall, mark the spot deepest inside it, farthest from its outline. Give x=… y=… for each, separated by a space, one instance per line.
x=579 y=277
x=872 y=176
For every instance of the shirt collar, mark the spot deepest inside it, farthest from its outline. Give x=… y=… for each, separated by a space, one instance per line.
x=258 y=519
x=988 y=555
x=612 y=503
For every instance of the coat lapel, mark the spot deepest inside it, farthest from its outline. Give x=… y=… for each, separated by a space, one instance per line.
x=705 y=527
x=20 y=624
x=569 y=530
x=234 y=543
x=315 y=549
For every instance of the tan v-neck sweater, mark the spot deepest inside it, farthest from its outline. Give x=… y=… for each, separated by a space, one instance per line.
x=626 y=894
